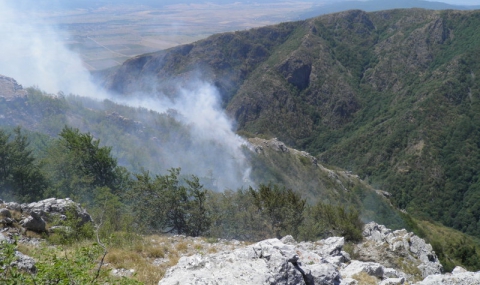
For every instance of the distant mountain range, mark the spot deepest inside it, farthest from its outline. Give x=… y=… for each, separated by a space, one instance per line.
x=325 y=7
x=378 y=5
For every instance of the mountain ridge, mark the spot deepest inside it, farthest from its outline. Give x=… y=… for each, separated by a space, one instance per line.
x=377 y=93
x=378 y=5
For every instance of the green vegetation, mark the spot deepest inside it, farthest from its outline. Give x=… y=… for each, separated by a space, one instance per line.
x=326 y=220
x=20 y=176
x=125 y=205
x=392 y=96
x=56 y=267
x=451 y=246
x=164 y=204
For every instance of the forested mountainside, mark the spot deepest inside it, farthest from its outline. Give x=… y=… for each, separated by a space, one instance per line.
x=142 y=141
x=392 y=96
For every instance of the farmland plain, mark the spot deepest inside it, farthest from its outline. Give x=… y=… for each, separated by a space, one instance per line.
x=108 y=35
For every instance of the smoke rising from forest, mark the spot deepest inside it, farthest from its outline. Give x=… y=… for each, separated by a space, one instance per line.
x=33 y=53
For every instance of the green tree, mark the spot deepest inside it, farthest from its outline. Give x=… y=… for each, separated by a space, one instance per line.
x=234 y=216
x=78 y=165
x=170 y=204
x=20 y=175
x=198 y=219
x=324 y=220
x=283 y=208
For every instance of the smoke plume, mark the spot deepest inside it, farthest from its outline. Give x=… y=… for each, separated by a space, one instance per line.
x=33 y=52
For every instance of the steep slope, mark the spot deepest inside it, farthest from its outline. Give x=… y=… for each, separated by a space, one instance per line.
x=146 y=140
x=274 y=162
x=389 y=95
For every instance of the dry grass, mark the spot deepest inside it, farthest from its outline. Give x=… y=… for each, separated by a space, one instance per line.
x=27 y=249
x=155 y=252
x=17 y=216
x=182 y=246
x=148 y=256
x=212 y=250
x=32 y=234
x=142 y=254
x=364 y=279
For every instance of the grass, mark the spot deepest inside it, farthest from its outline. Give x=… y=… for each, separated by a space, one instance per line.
x=448 y=243
x=148 y=256
x=364 y=279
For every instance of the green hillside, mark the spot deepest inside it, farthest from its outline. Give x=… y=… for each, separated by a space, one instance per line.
x=390 y=95
x=143 y=140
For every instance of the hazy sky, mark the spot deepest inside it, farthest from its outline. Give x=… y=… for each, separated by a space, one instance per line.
x=461 y=2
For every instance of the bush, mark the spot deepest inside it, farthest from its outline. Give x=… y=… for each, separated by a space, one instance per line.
x=323 y=220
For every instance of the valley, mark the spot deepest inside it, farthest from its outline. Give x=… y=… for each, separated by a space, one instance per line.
x=109 y=35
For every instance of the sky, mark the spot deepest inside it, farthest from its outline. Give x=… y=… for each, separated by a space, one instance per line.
x=461 y=2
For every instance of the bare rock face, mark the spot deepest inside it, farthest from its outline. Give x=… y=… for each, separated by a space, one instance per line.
x=24 y=262
x=282 y=262
x=9 y=88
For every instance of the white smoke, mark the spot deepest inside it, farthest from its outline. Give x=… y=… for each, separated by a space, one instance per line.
x=32 y=52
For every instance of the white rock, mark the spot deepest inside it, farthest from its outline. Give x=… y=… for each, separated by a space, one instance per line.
x=459 y=269
x=348 y=281
x=393 y=281
x=355 y=267
x=266 y=262
x=465 y=278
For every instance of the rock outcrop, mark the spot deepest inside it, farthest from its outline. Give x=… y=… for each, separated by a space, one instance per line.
x=50 y=208
x=283 y=261
x=267 y=262
x=398 y=249
x=396 y=257
x=17 y=218
x=9 y=88
x=36 y=215
x=24 y=262
x=458 y=276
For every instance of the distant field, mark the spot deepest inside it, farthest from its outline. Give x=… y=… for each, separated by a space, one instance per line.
x=107 y=36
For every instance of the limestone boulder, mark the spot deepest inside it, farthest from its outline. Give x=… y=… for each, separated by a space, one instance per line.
x=60 y=208
x=266 y=262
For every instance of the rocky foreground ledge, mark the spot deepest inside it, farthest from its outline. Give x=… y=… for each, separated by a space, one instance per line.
x=385 y=257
